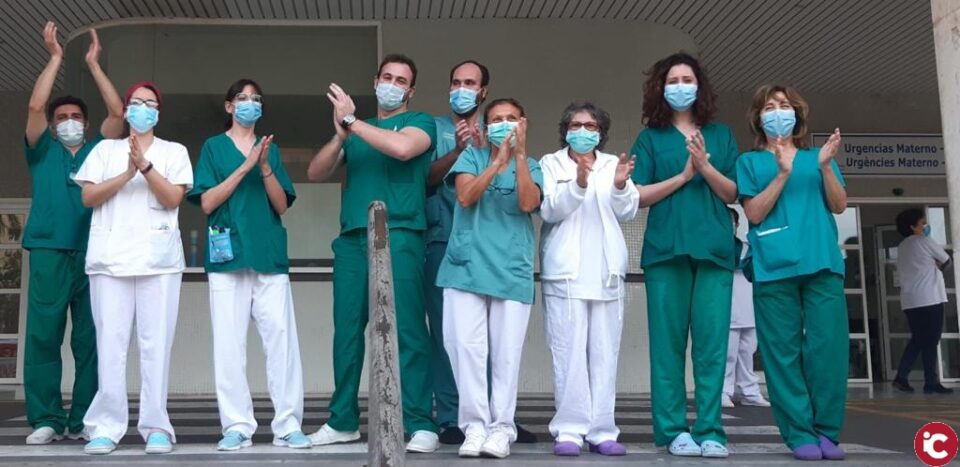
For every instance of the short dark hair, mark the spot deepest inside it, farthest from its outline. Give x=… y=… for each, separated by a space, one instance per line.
x=237 y=88
x=65 y=100
x=502 y=100
x=400 y=58
x=598 y=114
x=484 y=73
x=656 y=112
x=909 y=218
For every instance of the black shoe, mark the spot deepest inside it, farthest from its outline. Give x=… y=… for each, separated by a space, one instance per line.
x=938 y=389
x=902 y=385
x=452 y=435
x=524 y=436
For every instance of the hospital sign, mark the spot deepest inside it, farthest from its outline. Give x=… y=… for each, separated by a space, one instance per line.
x=888 y=154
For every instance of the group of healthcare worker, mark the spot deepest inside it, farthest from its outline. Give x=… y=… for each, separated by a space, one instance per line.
x=462 y=191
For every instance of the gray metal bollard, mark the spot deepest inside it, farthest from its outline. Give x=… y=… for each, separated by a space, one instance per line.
x=385 y=427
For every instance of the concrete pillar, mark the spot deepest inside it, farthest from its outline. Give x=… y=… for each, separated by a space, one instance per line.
x=385 y=426
x=946 y=40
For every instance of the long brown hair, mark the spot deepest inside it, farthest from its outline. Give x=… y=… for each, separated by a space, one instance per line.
x=801 y=130
x=656 y=112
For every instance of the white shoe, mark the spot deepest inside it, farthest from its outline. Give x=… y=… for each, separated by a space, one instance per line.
x=497 y=445
x=423 y=441
x=326 y=435
x=471 y=446
x=754 y=401
x=43 y=435
x=684 y=446
x=726 y=402
x=77 y=436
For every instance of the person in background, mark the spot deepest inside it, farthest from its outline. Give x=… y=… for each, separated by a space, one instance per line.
x=790 y=192
x=920 y=264
x=242 y=185
x=587 y=195
x=487 y=276
x=740 y=382
x=56 y=236
x=685 y=172
x=135 y=262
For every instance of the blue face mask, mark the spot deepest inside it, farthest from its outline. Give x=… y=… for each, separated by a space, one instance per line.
x=497 y=132
x=463 y=100
x=390 y=96
x=680 y=96
x=778 y=123
x=142 y=118
x=582 y=140
x=246 y=113
x=927 y=230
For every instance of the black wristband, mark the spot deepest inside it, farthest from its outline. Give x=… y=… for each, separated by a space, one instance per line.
x=149 y=168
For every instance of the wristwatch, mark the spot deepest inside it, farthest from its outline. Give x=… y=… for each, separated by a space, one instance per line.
x=347 y=121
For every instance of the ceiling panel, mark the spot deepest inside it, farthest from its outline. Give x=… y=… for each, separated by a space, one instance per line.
x=872 y=46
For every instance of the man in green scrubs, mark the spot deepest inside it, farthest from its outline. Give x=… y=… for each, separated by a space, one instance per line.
x=56 y=236
x=387 y=158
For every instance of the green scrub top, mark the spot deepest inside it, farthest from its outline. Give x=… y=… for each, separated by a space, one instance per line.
x=257 y=235
x=799 y=235
x=58 y=220
x=442 y=199
x=372 y=175
x=692 y=221
x=490 y=251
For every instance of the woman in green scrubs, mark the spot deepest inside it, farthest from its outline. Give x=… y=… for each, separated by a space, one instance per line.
x=789 y=192
x=685 y=172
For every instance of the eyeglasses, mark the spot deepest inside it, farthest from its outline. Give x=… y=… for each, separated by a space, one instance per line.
x=501 y=191
x=248 y=97
x=588 y=125
x=147 y=102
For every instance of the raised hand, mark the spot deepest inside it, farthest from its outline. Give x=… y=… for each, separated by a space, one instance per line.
x=624 y=170
x=584 y=167
x=479 y=137
x=830 y=148
x=342 y=103
x=521 y=134
x=784 y=158
x=258 y=153
x=50 y=40
x=688 y=170
x=697 y=148
x=464 y=134
x=136 y=154
x=264 y=153
x=93 y=53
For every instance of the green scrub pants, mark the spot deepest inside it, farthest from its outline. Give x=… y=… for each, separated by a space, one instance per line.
x=804 y=342
x=444 y=386
x=686 y=296
x=58 y=281
x=350 y=316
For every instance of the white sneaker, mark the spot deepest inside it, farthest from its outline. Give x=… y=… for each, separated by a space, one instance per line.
x=754 y=401
x=77 y=436
x=684 y=446
x=326 y=435
x=43 y=435
x=423 y=441
x=471 y=446
x=497 y=444
x=726 y=402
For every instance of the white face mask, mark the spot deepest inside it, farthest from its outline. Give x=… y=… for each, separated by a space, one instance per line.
x=70 y=133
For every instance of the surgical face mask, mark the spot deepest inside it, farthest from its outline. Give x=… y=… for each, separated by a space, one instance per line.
x=247 y=113
x=927 y=230
x=70 y=133
x=142 y=118
x=778 y=123
x=463 y=100
x=680 y=96
x=497 y=132
x=582 y=140
x=390 y=96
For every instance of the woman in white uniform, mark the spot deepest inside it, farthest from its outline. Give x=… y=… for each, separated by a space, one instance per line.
x=587 y=194
x=135 y=263
x=740 y=381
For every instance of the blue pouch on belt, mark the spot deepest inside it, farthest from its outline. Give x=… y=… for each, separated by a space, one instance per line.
x=219 y=247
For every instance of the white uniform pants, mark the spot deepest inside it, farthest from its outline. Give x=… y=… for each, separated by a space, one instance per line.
x=740 y=378
x=235 y=298
x=584 y=339
x=476 y=327
x=154 y=302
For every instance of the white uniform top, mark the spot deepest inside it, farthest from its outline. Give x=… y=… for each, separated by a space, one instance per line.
x=741 y=307
x=132 y=234
x=921 y=282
